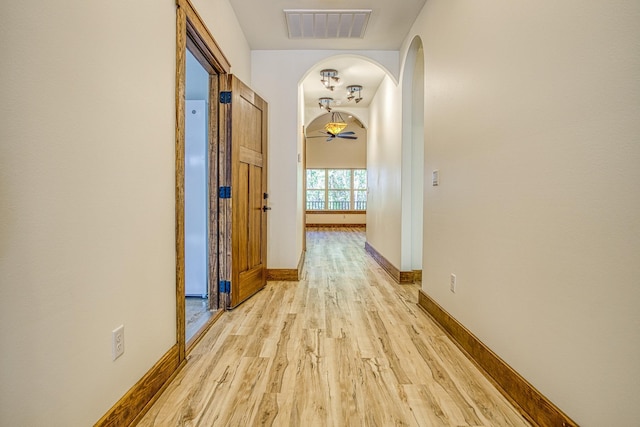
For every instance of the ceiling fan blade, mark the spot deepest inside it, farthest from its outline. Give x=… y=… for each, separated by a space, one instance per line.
x=331 y=138
x=347 y=133
x=317 y=136
x=347 y=137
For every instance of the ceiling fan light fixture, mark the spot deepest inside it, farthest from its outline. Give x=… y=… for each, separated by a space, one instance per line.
x=336 y=125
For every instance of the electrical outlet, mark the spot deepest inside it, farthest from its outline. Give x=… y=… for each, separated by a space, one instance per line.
x=117 y=342
x=453 y=283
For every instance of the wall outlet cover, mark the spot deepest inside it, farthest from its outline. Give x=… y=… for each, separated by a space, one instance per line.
x=117 y=342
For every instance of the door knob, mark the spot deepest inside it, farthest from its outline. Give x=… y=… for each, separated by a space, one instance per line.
x=266 y=208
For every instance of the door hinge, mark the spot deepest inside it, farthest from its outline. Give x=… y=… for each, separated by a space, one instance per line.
x=225 y=97
x=224 y=286
x=224 y=192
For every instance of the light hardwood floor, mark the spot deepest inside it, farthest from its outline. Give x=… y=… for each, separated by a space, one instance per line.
x=346 y=346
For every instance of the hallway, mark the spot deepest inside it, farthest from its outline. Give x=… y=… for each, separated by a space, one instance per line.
x=346 y=346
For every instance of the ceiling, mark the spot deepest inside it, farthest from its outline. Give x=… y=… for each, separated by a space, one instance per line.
x=264 y=25
x=352 y=71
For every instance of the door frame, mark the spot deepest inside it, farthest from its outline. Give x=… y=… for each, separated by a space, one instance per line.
x=192 y=34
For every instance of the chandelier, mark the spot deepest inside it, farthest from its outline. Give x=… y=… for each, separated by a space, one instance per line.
x=336 y=125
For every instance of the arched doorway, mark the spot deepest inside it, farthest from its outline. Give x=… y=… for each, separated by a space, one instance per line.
x=413 y=158
x=338 y=155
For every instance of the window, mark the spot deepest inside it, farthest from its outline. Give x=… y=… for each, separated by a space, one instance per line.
x=337 y=189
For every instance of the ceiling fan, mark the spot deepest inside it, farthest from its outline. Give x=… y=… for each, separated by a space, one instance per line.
x=334 y=129
x=332 y=136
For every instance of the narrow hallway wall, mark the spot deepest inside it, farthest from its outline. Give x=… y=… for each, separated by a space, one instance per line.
x=531 y=119
x=87 y=176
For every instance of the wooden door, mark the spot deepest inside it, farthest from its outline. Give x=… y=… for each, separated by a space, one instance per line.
x=248 y=192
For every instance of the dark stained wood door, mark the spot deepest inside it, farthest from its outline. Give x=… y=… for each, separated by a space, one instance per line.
x=248 y=192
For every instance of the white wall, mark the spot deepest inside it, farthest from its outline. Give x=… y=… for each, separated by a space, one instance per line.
x=87 y=229
x=532 y=119
x=221 y=21
x=280 y=89
x=339 y=153
x=384 y=164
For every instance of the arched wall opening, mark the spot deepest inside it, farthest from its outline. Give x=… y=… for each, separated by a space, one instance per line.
x=286 y=148
x=413 y=158
x=320 y=151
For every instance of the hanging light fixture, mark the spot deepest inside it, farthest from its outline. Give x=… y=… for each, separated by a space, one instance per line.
x=354 y=93
x=336 y=125
x=325 y=103
x=329 y=78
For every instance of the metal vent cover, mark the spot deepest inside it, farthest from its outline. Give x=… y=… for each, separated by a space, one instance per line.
x=327 y=24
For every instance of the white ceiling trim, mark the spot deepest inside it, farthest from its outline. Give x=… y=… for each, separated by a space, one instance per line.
x=326 y=24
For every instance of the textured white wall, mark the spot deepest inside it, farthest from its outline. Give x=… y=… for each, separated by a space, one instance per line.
x=221 y=21
x=87 y=229
x=384 y=165
x=532 y=119
x=339 y=153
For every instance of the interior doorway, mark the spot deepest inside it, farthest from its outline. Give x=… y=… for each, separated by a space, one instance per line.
x=199 y=303
x=335 y=173
x=201 y=168
x=413 y=159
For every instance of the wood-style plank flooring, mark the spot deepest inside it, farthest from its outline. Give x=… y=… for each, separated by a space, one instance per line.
x=346 y=346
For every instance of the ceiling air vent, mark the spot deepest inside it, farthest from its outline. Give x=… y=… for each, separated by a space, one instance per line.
x=326 y=24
